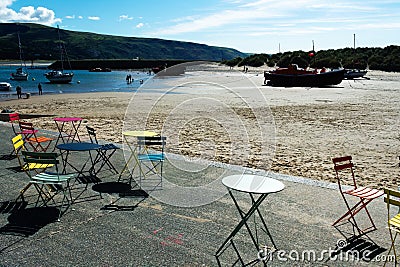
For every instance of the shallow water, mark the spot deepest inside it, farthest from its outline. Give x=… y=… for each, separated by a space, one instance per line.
x=83 y=81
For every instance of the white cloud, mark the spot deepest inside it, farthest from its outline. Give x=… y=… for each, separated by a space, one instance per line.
x=80 y=17
x=140 y=25
x=93 y=18
x=39 y=15
x=70 y=17
x=301 y=14
x=125 y=17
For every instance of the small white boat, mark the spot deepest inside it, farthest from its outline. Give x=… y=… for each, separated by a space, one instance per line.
x=4 y=86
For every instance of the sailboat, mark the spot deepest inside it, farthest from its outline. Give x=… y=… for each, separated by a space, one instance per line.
x=60 y=76
x=20 y=74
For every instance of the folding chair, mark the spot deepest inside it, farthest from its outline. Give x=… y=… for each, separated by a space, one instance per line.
x=392 y=198
x=151 y=158
x=18 y=144
x=105 y=152
x=344 y=167
x=38 y=143
x=59 y=182
x=14 y=119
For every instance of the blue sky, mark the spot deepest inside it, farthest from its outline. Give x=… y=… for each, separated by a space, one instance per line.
x=258 y=26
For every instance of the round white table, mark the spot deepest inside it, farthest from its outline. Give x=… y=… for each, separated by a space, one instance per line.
x=253 y=185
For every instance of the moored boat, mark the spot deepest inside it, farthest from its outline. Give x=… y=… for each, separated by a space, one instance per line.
x=100 y=70
x=59 y=76
x=296 y=77
x=354 y=73
x=20 y=74
x=4 y=86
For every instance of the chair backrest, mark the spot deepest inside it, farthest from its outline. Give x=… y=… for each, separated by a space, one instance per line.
x=40 y=157
x=344 y=169
x=14 y=118
x=152 y=141
x=392 y=198
x=18 y=144
x=92 y=134
x=26 y=126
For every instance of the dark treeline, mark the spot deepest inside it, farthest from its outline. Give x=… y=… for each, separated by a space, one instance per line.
x=385 y=59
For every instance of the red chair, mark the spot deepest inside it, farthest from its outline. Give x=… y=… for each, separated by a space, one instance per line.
x=38 y=143
x=14 y=119
x=344 y=168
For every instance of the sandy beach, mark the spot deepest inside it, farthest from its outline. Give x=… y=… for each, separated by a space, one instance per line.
x=308 y=126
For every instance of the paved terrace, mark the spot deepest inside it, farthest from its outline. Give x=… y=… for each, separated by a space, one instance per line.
x=133 y=229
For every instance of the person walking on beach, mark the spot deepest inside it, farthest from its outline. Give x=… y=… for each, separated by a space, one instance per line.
x=40 y=89
x=19 y=91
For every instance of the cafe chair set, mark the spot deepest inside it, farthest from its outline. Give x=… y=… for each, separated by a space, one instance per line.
x=364 y=195
x=148 y=156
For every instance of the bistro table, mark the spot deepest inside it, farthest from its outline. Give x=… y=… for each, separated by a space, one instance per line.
x=252 y=185
x=133 y=148
x=77 y=165
x=67 y=134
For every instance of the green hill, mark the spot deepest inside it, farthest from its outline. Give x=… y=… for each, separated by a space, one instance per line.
x=40 y=42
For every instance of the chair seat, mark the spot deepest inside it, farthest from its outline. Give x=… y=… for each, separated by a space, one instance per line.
x=40 y=139
x=31 y=166
x=25 y=132
x=151 y=157
x=394 y=223
x=50 y=178
x=365 y=192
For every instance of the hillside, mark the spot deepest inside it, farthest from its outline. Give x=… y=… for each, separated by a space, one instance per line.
x=40 y=42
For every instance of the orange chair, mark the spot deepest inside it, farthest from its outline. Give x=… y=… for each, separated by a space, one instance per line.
x=38 y=143
x=344 y=168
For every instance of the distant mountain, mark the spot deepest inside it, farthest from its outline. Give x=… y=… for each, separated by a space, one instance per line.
x=40 y=42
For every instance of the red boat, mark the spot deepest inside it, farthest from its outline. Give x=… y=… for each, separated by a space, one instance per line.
x=294 y=76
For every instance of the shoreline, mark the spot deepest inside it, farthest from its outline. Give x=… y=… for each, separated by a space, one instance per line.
x=312 y=125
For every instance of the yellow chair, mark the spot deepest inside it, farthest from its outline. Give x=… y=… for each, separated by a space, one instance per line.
x=392 y=198
x=19 y=146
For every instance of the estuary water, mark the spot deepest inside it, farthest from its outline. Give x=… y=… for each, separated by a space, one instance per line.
x=83 y=81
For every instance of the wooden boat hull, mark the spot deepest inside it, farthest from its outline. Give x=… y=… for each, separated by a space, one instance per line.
x=305 y=80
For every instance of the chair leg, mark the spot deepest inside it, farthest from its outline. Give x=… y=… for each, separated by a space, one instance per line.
x=392 y=246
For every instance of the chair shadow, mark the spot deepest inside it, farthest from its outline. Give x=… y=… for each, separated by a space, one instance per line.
x=123 y=190
x=27 y=222
x=12 y=206
x=15 y=169
x=8 y=157
x=356 y=248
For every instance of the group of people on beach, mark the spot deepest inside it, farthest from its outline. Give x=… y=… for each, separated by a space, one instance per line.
x=19 y=90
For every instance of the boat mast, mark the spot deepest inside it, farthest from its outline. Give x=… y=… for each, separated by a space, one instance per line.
x=21 y=58
x=61 y=48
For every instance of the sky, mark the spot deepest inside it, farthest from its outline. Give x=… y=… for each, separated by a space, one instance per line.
x=253 y=26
